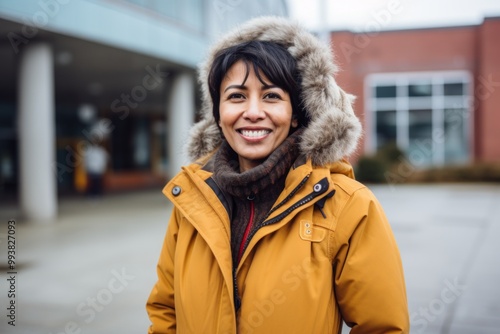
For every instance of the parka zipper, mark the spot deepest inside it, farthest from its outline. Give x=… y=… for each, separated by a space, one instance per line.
x=323 y=186
x=248 y=228
x=301 y=202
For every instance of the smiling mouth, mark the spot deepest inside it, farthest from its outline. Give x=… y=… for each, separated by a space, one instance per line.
x=254 y=133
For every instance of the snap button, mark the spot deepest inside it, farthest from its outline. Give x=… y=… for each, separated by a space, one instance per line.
x=176 y=190
x=309 y=232
x=317 y=188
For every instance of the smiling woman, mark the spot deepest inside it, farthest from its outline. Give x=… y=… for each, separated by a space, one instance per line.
x=270 y=233
x=255 y=114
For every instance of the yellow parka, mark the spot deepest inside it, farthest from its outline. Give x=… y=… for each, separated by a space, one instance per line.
x=324 y=255
x=327 y=254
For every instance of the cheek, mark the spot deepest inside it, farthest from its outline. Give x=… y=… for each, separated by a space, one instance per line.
x=285 y=118
x=224 y=118
x=226 y=121
x=229 y=113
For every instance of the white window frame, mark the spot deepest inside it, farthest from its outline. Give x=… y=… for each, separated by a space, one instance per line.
x=401 y=80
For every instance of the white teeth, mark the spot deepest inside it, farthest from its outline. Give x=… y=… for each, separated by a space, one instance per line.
x=254 y=133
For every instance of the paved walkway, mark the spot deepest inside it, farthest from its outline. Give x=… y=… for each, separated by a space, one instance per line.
x=91 y=271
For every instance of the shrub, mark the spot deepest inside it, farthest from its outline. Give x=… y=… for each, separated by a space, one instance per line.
x=372 y=168
x=474 y=172
x=390 y=161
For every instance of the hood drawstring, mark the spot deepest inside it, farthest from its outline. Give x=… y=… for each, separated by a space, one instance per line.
x=321 y=203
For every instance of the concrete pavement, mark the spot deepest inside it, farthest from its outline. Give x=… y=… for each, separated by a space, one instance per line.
x=448 y=236
x=92 y=270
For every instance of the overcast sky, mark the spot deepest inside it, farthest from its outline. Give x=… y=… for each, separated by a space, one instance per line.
x=368 y=15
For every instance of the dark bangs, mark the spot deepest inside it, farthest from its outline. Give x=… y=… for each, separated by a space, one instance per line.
x=268 y=58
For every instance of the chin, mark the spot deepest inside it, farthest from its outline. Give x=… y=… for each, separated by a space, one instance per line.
x=254 y=157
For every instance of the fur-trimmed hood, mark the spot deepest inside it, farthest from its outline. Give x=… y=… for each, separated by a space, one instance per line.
x=333 y=130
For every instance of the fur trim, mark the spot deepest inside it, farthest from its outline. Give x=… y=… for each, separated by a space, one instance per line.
x=333 y=130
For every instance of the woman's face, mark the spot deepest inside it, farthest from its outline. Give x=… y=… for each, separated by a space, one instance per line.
x=255 y=117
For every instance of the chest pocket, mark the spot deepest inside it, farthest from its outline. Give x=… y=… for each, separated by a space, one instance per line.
x=310 y=232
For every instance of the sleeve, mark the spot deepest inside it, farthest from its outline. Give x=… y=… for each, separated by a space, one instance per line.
x=161 y=302
x=369 y=280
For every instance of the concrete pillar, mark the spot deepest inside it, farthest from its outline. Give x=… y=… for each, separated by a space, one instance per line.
x=36 y=122
x=181 y=110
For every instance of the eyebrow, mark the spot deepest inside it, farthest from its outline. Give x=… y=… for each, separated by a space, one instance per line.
x=245 y=87
x=235 y=86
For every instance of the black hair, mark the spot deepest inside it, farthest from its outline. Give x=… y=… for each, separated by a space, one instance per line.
x=269 y=58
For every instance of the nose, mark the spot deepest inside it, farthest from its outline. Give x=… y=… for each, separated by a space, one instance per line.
x=254 y=111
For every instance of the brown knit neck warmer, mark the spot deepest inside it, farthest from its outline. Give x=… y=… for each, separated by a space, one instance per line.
x=251 y=182
x=246 y=187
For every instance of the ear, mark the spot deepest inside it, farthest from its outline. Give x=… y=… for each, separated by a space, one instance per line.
x=295 y=123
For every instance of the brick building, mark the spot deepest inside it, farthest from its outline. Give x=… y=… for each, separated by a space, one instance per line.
x=434 y=92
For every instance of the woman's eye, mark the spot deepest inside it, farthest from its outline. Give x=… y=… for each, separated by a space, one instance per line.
x=273 y=96
x=236 y=96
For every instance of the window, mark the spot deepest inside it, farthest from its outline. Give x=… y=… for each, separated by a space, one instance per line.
x=425 y=114
x=386 y=127
x=385 y=91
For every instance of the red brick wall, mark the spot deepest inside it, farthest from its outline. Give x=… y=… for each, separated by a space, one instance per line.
x=474 y=48
x=349 y=79
x=487 y=92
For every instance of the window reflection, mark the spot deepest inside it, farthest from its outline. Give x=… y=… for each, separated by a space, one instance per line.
x=386 y=127
x=455 y=146
x=423 y=89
